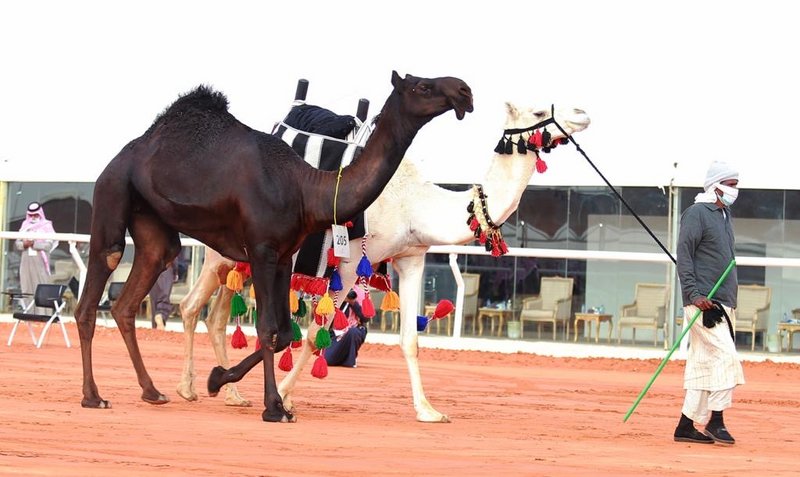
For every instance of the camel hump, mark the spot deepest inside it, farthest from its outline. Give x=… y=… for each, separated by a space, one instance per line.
x=202 y=100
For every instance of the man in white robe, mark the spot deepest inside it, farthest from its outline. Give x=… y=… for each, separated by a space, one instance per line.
x=705 y=248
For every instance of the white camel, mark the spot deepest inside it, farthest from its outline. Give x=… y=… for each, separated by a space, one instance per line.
x=409 y=217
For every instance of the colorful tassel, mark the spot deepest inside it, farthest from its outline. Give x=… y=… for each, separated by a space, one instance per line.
x=333 y=260
x=323 y=339
x=297 y=344
x=252 y=292
x=318 y=319
x=294 y=302
x=336 y=281
x=238 y=339
x=258 y=344
x=443 y=308
x=422 y=322
x=325 y=305
x=339 y=320
x=285 y=364
x=541 y=166
x=302 y=310
x=297 y=334
x=367 y=308
x=320 y=368
x=234 y=280
x=391 y=301
x=364 y=267
x=238 y=306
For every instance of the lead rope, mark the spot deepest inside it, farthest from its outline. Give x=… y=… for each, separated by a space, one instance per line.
x=578 y=147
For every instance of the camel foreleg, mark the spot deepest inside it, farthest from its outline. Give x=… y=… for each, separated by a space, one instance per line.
x=410 y=270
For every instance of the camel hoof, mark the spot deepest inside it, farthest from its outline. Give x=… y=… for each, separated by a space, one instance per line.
x=96 y=404
x=189 y=396
x=238 y=403
x=161 y=399
x=433 y=419
x=266 y=416
x=215 y=380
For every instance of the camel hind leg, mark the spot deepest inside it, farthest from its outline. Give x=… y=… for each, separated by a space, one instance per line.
x=156 y=245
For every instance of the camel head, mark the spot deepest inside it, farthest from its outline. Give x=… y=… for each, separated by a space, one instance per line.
x=572 y=120
x=427 y=98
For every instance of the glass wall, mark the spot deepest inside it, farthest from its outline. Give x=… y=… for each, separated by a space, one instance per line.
x=766 y=222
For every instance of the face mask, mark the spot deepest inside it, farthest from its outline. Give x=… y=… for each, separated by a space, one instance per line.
x=729 y=194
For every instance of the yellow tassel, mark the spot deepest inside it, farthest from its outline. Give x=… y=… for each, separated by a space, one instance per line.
x=234 y=281
x=390 y=301
x=294 y=303
x=252 y=292
x=325 y=305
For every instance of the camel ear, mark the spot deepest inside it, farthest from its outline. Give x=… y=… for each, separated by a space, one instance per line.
x=512 y=111
x=396 y=79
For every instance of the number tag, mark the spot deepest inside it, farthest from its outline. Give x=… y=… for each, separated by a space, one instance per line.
x=341 y=241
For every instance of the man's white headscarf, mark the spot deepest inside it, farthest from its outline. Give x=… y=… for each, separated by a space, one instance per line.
x=718 y=172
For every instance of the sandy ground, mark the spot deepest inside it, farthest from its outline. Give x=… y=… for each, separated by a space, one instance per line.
x=512 y=414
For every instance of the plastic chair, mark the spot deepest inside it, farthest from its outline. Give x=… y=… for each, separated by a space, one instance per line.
x=46 y=296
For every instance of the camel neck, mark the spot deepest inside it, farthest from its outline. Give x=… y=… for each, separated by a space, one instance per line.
x=365 y=178
x=504 y=183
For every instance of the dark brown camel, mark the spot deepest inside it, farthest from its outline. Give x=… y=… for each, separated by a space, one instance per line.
x=262 y=200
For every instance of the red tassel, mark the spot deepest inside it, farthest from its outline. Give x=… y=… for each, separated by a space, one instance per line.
x=443 y=308
x=258 y=344
x=482 y=238
x=495 y=248
x=320 y=368
x=541 y=166
x=297 y=344
x=348 y=224
x=503 y=247
x=473 y=224
x=318 y=319
x=244 y=269
x=339 y=320
x=285 y=364
x=333 y=260
x=367 y=308
x=238 y=340
x=536 y=139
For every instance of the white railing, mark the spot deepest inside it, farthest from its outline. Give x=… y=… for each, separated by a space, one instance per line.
x=453 y=251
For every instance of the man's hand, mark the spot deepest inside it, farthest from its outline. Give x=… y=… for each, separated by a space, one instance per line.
x=27 y=243
x=703 y=303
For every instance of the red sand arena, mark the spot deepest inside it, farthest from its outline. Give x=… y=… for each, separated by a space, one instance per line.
x=512 y=414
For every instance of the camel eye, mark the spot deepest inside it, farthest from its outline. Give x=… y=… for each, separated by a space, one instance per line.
x=423 y=89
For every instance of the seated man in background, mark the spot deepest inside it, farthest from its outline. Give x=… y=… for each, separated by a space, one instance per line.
x=345 y=343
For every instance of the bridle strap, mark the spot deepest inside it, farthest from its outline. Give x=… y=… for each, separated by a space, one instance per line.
x=541 y=124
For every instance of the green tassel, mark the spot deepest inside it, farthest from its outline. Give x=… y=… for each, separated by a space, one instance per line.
x=301 y=309
x=298 y=335
x=323 y=339
x=238 y=307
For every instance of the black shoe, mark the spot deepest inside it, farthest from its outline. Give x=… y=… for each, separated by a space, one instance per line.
x=691 y=435
x=719 y=434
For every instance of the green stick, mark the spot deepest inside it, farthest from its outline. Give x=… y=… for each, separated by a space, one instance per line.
x=678 y=341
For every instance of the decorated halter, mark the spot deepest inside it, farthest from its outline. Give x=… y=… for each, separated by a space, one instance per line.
x=533 y=138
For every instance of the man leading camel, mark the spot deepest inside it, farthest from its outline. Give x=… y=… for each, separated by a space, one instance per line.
x=705 y=248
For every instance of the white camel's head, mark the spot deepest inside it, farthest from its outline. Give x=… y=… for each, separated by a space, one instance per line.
x=572 y=120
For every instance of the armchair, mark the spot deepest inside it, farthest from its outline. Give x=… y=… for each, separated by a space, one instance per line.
x=752 y=311
x=553 y=305
x=648 y=310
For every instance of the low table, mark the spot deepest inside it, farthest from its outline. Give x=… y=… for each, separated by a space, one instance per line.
x=790 y=329
x=597 y=318
x=495 y=315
